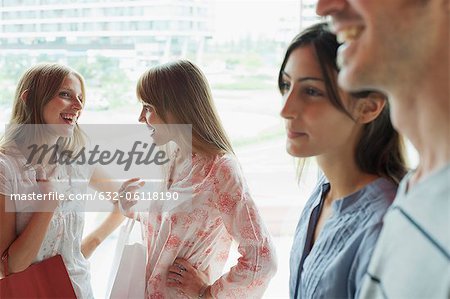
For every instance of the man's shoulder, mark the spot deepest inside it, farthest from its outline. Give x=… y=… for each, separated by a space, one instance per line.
x=426 y=208
x=411 y=257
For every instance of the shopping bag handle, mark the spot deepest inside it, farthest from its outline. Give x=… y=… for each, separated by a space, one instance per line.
x=129 y=227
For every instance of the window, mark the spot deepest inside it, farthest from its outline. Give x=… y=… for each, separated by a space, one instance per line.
x=238 y=44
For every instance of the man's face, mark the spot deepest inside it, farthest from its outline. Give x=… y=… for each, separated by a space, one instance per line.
x=387 y=43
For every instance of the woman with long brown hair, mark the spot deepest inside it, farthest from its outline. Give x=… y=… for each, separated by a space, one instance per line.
x=188 y=243
x=49 y=100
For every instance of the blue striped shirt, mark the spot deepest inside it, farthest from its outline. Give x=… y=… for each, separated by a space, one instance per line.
x=412 y=256
x=335 y=265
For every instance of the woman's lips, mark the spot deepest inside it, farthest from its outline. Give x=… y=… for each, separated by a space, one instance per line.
x=292 y=134
x=70 y=122
x=151 y=129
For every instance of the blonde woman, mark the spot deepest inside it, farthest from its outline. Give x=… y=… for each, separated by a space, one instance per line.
x=189 y=243
x=50 y=95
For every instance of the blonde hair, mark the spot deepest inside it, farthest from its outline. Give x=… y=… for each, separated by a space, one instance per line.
x=180 y=89
x=40 y=84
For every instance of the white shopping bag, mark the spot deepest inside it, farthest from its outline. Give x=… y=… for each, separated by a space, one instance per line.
x=127 y=277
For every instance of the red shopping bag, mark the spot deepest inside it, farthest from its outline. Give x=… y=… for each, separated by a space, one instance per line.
x=46 y=279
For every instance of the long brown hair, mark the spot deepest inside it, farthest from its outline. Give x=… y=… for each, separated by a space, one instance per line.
x=380 y=150
x=41 y=83
x=179 y=88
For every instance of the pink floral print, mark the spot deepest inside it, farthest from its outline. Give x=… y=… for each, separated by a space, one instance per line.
x=202 y=229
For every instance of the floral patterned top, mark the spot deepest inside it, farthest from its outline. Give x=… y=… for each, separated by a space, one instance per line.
x=201 y=228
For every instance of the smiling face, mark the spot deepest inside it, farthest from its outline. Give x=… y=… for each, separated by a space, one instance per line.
x=386 y=42
x=65 y=107
x=157 y=127
x=314 y=125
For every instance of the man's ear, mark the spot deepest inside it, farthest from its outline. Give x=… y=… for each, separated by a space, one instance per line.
x=370 y=107
x=24 y=96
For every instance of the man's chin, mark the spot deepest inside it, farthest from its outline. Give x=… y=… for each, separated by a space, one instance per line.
x=350 y=81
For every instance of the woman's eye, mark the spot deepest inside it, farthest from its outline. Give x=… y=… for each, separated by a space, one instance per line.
x=64 y=94
x=284 y=87
x=313 y=92
x=149 y=109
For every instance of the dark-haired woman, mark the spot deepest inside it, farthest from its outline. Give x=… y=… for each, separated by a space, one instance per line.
x=360 y=156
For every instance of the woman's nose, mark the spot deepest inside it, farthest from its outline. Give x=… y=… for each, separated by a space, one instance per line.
x=77 y=104
x=141 y=118
x=288 y=110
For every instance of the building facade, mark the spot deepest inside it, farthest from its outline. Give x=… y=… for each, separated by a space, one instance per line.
x=154 y=29
x=308 y=14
